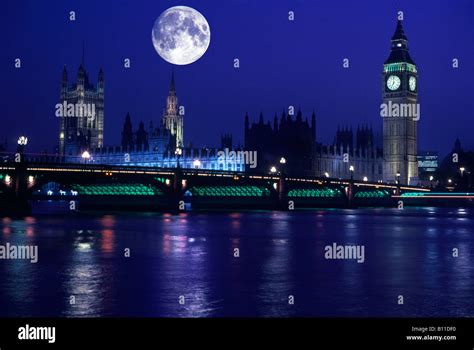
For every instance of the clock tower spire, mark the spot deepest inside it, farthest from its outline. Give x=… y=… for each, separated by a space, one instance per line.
x=400 y=111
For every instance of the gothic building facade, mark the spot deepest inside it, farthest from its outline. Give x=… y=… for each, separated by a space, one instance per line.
x=155 y=146
x=79 y=130
x=290 y=137
x=395 y=160
x=294 y=139
x=173 y=116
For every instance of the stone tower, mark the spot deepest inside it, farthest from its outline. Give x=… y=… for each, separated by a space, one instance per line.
x=400 y=112
x=81 y=113
x=172 y=118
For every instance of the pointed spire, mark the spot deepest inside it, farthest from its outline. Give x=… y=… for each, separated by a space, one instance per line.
x=246 y=124
x=64 y=74
x=83 y=53
x=399 y=52
x=299 y=115
x=457 y=145
x=399 y=32
x=172 y=84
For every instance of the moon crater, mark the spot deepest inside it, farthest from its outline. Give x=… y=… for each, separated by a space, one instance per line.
x=181 y=35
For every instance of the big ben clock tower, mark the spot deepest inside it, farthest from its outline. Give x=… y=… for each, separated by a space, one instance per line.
x=400 y=112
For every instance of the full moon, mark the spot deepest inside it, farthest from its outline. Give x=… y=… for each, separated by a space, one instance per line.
x=181 y=35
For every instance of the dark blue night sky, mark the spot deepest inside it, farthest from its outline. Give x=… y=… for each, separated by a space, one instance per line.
x=282 y=63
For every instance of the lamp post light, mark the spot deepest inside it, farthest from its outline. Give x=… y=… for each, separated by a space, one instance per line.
x=22 y=141
x=197 y=163
x=351 y=169
x=462 y=170
x=366 y=179
x=398 y=178
x=85 y=156
x=282 y=165
x=273 y=170
x=326 y=174
x=431 y=181
x=178 y=152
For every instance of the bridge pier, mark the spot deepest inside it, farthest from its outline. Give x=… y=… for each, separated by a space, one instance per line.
x=16 y=199
x=177 y=201
x=350 y=194
x=282 y=195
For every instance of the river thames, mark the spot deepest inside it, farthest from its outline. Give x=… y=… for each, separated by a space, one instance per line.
x=241 y=264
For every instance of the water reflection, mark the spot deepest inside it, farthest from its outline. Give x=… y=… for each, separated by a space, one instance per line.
x=280 y=254
x=184 y=267
x=83 y=278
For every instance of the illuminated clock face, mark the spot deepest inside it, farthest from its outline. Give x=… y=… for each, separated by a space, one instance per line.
x=393 y=82
x=412 y=83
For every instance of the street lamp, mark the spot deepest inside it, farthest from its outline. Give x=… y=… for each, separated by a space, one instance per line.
x=282 y=160
x=86 y=156
x=197 y=163
x=351 y=169
x=22 y=141
x=178 y=152
x=398 y=178
x=366 y=178
x=462 y=169
x=326 y=174
x=449 y=180
x=431 y=181
x=273 y=170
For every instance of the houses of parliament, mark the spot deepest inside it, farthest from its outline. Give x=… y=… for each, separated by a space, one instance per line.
x=354 y=151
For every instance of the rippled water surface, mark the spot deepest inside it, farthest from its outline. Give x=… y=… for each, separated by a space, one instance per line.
x=191 y=258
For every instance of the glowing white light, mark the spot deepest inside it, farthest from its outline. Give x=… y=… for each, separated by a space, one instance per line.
x=167 y=182
x=31 y=179
x=351 y=168
x=366 y=179
x=23 y=140
x=8 y=179
x=326 y=174
x=85 y=155
x=197 y=163
x=282 y=160
x=273 y=169
x=50 y=193
x=275 y=185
